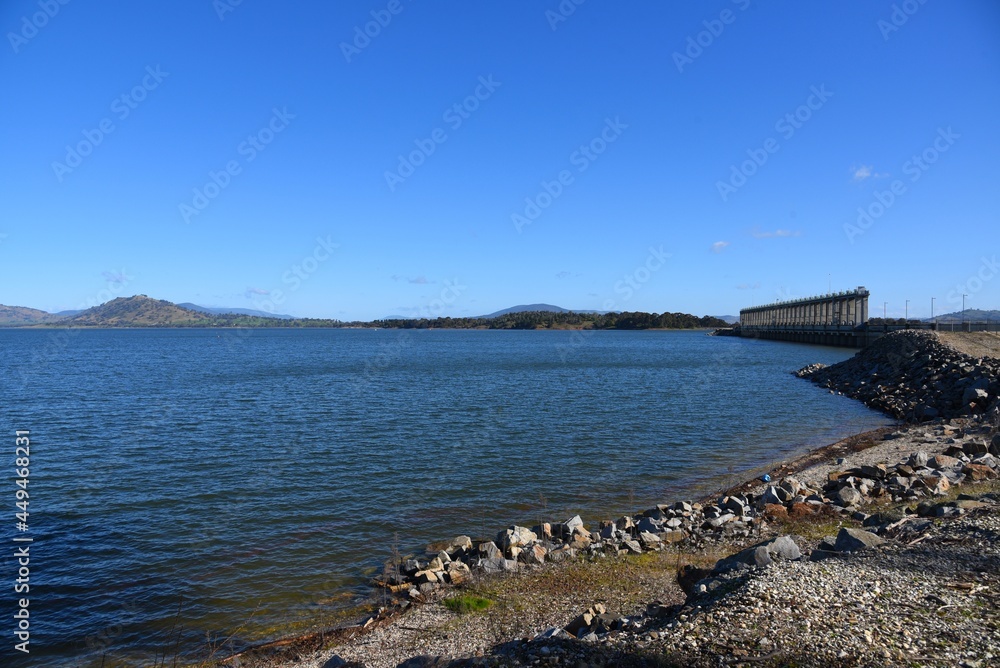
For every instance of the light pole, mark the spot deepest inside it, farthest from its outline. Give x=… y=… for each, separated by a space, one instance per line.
x=963 y=309
x=906 y=318
x=932 y=309
x=884 y=321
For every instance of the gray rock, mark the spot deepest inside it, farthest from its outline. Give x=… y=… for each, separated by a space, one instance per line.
x=490 y=551
x=735 y=505
x=774 y=495
x=650 y=526
x=762 y=554
x=717 y=522
x=977 y=396
x=943 y=462
x=974 y=448
x=492 y=565
x=847 y=497
x=334 y=662
x=918 y=460
x=649 y=539
x=632 y=546
x=853 y=540
x=515 y=536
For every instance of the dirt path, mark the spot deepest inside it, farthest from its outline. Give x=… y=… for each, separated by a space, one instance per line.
x=975 y=344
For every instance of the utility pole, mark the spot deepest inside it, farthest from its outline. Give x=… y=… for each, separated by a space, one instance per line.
x=932 y=309
x=963 y=308
x=906 y=318
x=884 y=305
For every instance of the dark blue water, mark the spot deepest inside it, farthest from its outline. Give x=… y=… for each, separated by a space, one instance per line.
x=187 y=483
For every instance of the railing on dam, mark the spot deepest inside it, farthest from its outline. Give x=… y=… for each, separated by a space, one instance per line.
x=839 y=309
x=837 y=319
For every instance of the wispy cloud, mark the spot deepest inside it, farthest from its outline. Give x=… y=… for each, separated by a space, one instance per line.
x=255 y=291
x=419 y=280
x=564 y=274
x=748 y=286
x=770 y=234
x=865 y=172
x=719 y=246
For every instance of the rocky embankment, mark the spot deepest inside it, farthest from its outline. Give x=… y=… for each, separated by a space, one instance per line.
x=913 y=376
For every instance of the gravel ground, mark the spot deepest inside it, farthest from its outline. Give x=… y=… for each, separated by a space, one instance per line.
x=974 y=344
x=932 y=603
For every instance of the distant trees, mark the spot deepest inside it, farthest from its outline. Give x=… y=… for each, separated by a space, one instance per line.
x=628 y=320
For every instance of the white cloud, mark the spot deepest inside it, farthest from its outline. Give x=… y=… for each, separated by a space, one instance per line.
x=718 y=246
x=866 y=172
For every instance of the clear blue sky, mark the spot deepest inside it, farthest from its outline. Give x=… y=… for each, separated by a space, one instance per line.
x=648 y=130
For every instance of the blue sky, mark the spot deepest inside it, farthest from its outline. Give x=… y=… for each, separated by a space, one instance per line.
x=460 y=158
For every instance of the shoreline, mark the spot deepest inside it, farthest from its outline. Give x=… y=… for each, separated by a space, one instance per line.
x=368 y=616
x=817 y=460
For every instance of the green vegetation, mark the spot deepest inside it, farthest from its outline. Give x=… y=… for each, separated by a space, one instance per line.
x=550 y=320
x=466 y=603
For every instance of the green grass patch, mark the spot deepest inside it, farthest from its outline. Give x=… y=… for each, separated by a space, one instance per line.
x=466 y=603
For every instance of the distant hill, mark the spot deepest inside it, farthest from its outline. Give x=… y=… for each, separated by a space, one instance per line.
x=22 y=315
x=971 y=315
x=137 y=311
x=731 y=319
x=235 y=311
x=532 y=308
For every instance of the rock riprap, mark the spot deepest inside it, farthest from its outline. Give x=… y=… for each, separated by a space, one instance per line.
x=911 y=375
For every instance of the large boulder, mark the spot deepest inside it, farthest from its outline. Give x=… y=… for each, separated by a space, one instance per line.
x=848 y=497
x=853 y=540
x=515 y=536
x=760 y=555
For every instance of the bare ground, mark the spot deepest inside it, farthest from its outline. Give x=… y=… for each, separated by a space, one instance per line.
x=974 y=344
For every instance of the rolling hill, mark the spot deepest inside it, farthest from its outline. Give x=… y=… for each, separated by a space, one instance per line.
x=971 y=315
x=532 y=308
x=22 y=315
x=137 y=311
